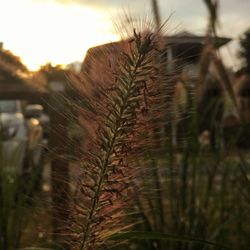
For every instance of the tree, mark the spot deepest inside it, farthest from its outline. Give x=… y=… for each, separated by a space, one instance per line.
x=244 y=53
x=12 y=61
x=54 y=73
x=11 y=67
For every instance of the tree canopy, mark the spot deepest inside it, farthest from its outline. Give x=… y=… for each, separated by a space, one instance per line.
x=11 y=67
x=54 y=73
x=244 y=53
x=9 y=58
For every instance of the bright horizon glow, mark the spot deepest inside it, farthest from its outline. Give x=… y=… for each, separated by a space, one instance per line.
x=41 y=32
x=61 y=31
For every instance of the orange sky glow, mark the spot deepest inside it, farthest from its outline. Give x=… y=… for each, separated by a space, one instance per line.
x=42 y=31
x=61 y=31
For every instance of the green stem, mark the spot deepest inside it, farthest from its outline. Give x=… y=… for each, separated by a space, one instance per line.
x=108 y=154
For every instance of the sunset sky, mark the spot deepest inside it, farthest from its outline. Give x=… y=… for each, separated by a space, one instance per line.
x=60 y=31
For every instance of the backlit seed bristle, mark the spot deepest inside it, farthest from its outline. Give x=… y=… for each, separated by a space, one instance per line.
x=122 y=109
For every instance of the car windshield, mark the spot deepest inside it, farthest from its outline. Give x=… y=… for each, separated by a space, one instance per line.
x=8 y=106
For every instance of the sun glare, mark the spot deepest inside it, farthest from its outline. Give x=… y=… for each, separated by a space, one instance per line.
x=43 y=31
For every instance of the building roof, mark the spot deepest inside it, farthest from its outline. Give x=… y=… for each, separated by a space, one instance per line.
x=186 y=37
x=183 y=38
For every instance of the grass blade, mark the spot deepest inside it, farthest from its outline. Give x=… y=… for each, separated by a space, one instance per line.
x=136 y=235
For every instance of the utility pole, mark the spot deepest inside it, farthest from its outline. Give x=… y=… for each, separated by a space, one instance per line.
x=60 y=187
x=156 y=12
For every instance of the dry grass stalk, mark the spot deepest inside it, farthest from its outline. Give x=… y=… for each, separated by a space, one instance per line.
x=117 y=116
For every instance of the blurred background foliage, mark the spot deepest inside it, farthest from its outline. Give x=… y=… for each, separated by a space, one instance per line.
x=197 y=185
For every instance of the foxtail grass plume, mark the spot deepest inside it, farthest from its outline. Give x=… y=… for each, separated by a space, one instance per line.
x=122 y=91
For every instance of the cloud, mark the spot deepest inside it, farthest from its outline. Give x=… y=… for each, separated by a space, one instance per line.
x=104 y=3
x=189 y=14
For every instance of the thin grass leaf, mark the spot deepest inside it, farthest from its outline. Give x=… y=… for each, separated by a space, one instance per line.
x=136 y=235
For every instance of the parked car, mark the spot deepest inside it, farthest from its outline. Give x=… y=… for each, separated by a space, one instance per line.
x=18 y=134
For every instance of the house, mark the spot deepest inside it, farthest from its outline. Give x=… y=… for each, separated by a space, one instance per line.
x=182 y=53
x=182 y=49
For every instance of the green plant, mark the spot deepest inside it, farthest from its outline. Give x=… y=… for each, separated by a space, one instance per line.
x=17 y=195
x=244 y=52
x=189 y=191
x=108 y=168
x=10 y=214
x=131 y=175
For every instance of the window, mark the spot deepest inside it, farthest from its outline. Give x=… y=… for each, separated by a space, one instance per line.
x=8 y=106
